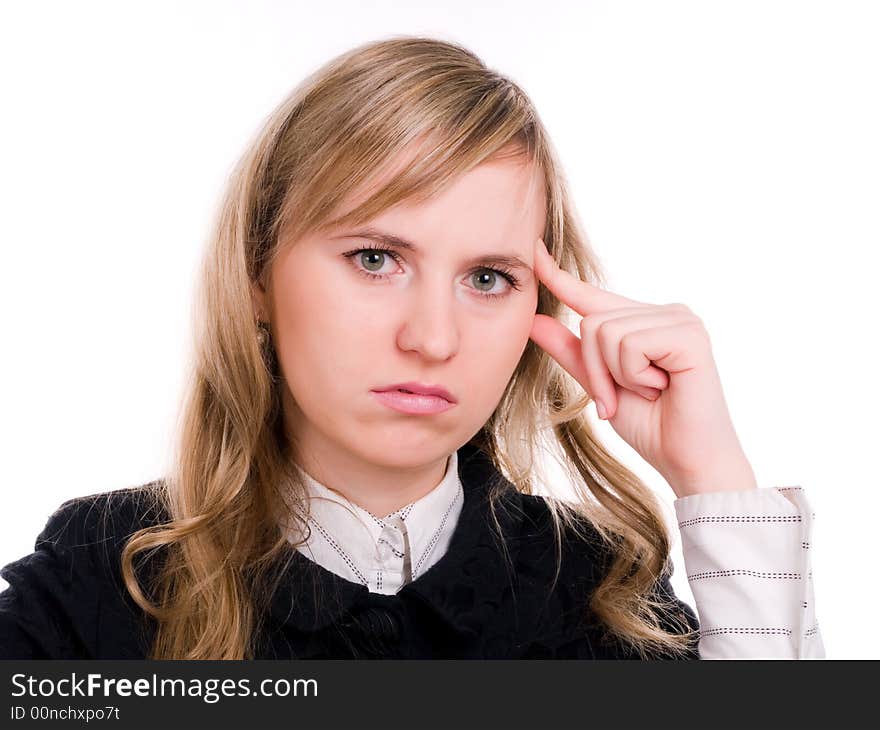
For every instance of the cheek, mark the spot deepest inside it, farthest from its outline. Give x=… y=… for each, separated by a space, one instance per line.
x=325 y=338
x=513 y=325
x=496 y=348
x=324 y=355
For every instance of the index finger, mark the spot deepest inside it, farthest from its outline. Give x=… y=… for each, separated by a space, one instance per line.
x=580 y=295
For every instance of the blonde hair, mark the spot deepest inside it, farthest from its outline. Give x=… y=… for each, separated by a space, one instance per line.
x=328 y=138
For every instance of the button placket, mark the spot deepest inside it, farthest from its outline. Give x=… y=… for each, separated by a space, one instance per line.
x=391 y=547
x=392 y=550
x=396 y=541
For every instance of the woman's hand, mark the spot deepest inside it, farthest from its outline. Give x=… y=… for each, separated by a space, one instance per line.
x=651 y=367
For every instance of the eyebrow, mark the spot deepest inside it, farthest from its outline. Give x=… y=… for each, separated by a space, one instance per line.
x=390 y=239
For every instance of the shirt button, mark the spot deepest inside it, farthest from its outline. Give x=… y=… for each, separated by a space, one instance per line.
x=386 y=554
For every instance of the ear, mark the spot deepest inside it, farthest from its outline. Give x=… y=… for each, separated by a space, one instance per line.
x=260 y=300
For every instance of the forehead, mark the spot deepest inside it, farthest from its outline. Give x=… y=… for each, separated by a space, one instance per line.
x=492 y=202
x=500 y=200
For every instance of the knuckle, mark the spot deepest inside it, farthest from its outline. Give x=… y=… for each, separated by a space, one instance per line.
x=606 y=335
x=590 y=325
x=627 y=345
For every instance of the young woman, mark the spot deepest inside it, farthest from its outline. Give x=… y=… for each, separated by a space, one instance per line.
x=380 y=361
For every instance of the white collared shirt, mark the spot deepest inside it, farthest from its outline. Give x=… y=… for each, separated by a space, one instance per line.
x=383 y=553
x=746 y=553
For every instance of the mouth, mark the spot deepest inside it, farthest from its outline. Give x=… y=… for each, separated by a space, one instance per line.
x=419 y=389
x=415 y=398
x=415 y=404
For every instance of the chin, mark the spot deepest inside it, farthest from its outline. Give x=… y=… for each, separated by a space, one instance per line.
x=398 y=453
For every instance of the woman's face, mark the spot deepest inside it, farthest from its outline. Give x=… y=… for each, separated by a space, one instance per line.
x=348 y=323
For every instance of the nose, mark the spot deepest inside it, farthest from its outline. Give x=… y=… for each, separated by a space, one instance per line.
x=430 y=324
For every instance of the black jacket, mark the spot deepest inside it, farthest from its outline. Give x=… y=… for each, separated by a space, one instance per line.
x=66 y=600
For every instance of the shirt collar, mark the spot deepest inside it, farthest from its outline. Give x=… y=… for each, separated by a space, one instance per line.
x=356 y=532
x=474 y=562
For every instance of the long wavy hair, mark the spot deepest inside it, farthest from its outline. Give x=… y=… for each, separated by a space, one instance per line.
x=223 y=493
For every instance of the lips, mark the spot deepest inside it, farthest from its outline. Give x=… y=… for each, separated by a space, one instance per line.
x=420 y=389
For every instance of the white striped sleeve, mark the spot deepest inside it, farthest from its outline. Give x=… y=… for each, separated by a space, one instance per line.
x=747 y=557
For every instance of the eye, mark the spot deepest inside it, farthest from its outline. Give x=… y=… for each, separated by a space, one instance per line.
x=373 y=259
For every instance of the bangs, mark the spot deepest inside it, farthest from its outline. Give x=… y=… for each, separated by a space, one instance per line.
x=411 y=152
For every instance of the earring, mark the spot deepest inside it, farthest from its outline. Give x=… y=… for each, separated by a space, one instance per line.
x=263 y=334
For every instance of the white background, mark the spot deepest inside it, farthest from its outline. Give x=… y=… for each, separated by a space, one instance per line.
x=721 y=154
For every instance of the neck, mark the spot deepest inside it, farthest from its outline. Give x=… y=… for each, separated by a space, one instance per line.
x=377 y=488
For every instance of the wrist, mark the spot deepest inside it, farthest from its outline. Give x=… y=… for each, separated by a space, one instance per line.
x=736 y=476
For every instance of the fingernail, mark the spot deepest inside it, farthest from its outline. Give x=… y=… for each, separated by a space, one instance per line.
x=600 y=407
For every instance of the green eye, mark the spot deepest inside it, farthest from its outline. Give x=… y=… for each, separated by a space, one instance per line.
x=373 y=254
x=481 y=276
